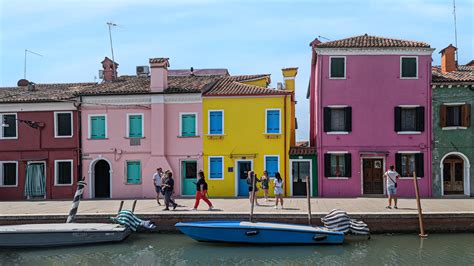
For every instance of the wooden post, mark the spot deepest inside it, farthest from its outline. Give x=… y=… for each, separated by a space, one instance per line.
x=133 y=206
x=121 y=205
x=308 y=196
x=418 y=203
x=253 y=197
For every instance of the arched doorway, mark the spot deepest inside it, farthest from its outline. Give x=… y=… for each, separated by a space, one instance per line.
x=101 y=176
x=455 y=176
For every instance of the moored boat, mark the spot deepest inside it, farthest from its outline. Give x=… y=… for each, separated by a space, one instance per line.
x=259 y=233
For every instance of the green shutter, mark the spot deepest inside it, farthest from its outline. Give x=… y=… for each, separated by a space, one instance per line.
x=98 y=127
x=134 y=175
x=135 y=126
x=188 y=125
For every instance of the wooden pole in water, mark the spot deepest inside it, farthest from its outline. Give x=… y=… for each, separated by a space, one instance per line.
x=308 y=196
x=252 y=176
x=133 y=206
x=121 y=205
x=418 y=203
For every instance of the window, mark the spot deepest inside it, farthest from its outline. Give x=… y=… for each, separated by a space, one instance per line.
x=338 y=119
x=63 y=172
x=216 y=122
x=135 y=125
x=190 y=169
x=337 y=165
x=8 y=126
x=216 y=168
x=188 y=125
x=409 y=162
x=63 y=124
x=409 y=67
x=272 y=165
x=8 y=174
x=273 y=121
x=337 y=67
x=134 y=172
x=97 y=127
x=409 y=119
x=455 y=115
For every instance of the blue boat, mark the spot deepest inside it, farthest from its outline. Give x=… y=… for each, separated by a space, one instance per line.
x=259 y=233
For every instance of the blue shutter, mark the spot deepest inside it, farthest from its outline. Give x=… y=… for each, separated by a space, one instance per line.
x=271 y=165
x=215 y=120
x=216 y=168
x=273 y=121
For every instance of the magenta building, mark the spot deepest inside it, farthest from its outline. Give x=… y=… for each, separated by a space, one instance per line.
x=370 y=100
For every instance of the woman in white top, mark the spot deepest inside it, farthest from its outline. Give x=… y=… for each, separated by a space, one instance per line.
x=278 y=190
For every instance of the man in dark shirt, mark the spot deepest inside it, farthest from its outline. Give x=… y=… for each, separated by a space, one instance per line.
x=168 y=187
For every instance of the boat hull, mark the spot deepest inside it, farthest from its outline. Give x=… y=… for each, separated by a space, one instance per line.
x=51 y=235
x=259 y=233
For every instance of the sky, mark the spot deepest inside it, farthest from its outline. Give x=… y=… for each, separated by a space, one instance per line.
x=246 y=37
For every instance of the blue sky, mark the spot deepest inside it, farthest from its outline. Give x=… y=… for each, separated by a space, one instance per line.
x=247 y=37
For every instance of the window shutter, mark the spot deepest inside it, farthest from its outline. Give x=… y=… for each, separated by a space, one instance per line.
x=466 y=115
x=348 y=161
x=135 y=124
x=271 y=166
x=188 y=125
x=348 y=119
x=327 y=164
x=98 y=127
x=398 y=162
x=420 y=119
x=216 y=168
x=133 y=172
x=442 y=115
x=398 y=119
x=215 y=119
x=419 y=165
x=327 y=119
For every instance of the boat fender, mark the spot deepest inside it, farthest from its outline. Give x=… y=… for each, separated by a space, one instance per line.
x=252 y=233
x=320 y=237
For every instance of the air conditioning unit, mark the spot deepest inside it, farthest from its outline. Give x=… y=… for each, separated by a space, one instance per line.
x=143 y=70
x=101 y=74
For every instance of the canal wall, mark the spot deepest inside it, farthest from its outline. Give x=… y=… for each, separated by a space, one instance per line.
x=436 y=222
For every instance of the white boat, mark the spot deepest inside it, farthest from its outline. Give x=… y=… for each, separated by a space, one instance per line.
x=64 y=234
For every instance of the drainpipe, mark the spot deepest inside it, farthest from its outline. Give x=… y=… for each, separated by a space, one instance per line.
x=79 y=142
x=284 y=143
x=319 y=135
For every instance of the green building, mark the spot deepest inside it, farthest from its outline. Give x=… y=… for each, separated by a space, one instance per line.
x=303 y=163
x=453 y=153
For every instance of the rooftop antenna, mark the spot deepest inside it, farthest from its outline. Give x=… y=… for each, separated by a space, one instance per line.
x=455 y=30
x=322 y=37
x=110 y=24
x=26 y=52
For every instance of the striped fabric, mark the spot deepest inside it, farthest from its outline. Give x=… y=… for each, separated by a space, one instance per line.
x=35 y=184
x=338 y=220
x=130 y=220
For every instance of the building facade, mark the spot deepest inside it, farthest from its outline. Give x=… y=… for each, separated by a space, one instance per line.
x=371 y=108
x=453 y=151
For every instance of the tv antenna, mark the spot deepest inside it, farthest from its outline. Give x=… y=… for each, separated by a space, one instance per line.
x=110 y=24
x=322 y=37
x=455 y=30
x=26 y=52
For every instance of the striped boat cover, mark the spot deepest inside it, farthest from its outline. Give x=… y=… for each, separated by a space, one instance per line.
x=338 y=220
x=128 y=219
x=35 y=184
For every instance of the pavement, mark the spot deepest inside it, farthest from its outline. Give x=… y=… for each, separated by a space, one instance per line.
x=242 y=205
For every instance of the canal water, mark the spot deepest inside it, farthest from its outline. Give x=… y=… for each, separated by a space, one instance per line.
x=175 y=249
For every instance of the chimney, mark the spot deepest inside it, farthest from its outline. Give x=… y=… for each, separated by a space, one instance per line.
x=289 y=75
x=448 y=61
x=159 y=74
x=110 y=72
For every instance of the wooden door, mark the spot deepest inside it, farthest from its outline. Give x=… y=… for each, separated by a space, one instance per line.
x=453 y=175
x=372 y=176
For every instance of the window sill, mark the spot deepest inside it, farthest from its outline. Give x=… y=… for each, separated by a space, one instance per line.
x=63 y=137
x=408 y=77
x=337 y=78
x=133 y=138
x=336 y=178
x=337 y=132
x=97 y=139
x=63 y=185
x=134 y=184
x=453 y=128
x=409 y=132
x=272 y=135
x=7 y=138
x=409 y=177
x=215 y=136
x=185 y=137
x=7 y=186
x=216 y=179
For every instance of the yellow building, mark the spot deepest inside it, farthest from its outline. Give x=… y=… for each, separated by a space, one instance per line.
x=247 y=126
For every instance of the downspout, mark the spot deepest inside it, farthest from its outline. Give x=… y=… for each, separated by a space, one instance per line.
x=429 y=136
x=79 y=142
x=284 y=143
x=319 y=135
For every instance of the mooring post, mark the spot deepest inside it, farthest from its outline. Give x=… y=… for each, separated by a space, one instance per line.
x=252 y=180
x=75 y=202
x=308 y=196
x=418 y=203
x=133 y=206
x=120 y=207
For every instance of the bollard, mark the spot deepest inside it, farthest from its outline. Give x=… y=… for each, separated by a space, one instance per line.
x=120 y=207
x=308 y=196
x=75 y=202
x=418 y=203
x=133 y=206
x=253 y=197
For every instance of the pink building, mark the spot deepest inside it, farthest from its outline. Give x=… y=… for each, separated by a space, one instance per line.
x=370 y=100
x=132 y=125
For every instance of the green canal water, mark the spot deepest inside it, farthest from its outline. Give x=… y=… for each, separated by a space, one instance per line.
x=175 y=249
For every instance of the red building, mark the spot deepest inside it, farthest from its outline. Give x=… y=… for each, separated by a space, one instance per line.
x=39 y=141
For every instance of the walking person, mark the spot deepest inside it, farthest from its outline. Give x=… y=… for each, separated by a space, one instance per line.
x=201 y=191
x=278 y=190
x=251 y=175
x=265 y=179
x=168 y=188
x=157 y=181
x=392 y=177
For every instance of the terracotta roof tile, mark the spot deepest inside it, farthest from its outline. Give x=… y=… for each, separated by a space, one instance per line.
x=366 y=41
x=233 y=86
x=42 y=93
x=464 y=74
x=199 y=72
x=158 y=60
x=302 y=151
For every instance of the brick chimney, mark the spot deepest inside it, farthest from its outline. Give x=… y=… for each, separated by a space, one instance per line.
x=110 y=73
x=159 y=74
x=448 y=61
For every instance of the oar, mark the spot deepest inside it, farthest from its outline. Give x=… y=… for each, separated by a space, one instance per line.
x=309 y=200
x=253 y=197
x=418 y=204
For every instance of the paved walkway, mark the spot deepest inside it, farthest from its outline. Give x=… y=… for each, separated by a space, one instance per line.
x=241 y=205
